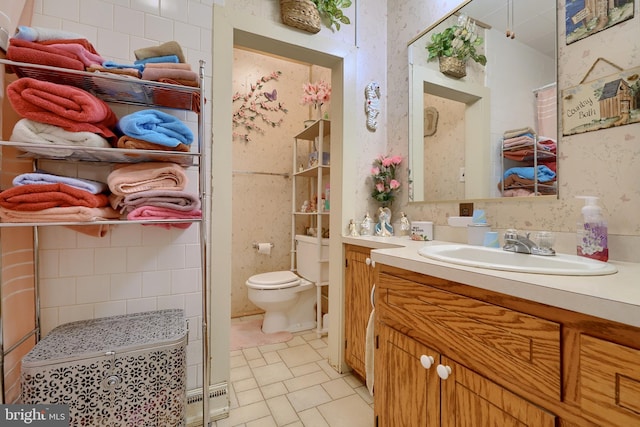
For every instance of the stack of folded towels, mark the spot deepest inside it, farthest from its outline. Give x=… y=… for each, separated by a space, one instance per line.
x=43 y=197
x=154 y=130
x=153 y=191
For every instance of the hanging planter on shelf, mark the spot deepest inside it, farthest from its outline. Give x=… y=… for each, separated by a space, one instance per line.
x=453 y=67
x=301 y=14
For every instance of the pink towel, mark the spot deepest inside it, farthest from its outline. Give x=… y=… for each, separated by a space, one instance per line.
x=174 y=200
x=146 y=176
x=36 y=53
x=68 y=107
x=86 y=57
x=155 y=212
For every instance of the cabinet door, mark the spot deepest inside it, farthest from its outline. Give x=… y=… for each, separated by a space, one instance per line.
x=471 y=400
x=609 y=382
x=406 y=393
x=358 y=285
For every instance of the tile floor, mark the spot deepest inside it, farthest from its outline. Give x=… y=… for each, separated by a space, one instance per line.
x=292 y=384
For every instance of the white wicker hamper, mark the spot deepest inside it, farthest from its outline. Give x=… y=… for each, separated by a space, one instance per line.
x=117 y=371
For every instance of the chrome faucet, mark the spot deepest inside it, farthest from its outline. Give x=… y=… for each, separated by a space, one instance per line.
x=514 y=242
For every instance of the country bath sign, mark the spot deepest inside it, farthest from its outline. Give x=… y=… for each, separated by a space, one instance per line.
x=599 y=104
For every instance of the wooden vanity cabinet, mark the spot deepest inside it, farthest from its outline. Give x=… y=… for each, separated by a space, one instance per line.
x=496 y=360
x=358 y=283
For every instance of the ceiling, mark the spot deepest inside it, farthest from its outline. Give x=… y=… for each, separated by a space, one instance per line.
x=534 y=22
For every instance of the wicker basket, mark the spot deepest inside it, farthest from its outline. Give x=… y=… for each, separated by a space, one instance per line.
x=453 y=67
x=302 y=14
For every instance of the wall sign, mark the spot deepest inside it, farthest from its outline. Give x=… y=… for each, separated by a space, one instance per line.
x=603 y=103
x=587 y=17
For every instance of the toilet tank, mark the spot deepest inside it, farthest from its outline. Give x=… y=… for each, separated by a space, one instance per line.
x=307 y=258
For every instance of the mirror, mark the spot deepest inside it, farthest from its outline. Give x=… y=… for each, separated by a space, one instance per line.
x=457 y=126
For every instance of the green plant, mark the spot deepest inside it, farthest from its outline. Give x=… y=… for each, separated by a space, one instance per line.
x=458 y=41
x=331 y=11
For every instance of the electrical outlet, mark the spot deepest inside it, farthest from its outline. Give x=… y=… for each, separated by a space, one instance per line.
x=466 y=209
x=461 y=175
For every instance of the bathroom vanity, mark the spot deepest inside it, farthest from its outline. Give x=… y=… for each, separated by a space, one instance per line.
x=459 y=345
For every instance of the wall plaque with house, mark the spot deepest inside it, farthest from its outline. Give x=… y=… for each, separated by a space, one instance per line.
x=599 y=104
x=587 y=17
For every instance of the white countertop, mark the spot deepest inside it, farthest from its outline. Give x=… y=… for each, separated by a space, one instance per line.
x=614 y=297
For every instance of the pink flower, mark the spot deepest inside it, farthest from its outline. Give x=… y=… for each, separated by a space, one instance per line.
x=394 y=184
x=380 y=187
x=386 y=162
x=396 y=160
x=375 y=171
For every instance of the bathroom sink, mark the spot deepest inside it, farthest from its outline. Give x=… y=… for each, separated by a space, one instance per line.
x=498 y=259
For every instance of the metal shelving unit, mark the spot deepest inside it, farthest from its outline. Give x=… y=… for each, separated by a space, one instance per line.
x=130 y=91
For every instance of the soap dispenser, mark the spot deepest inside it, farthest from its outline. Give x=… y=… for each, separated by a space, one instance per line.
x=592 y=231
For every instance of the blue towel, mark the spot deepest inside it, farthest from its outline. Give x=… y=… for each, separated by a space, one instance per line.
x=156 y=59
x=157 y=127
x=543 y=173
x=115 y=65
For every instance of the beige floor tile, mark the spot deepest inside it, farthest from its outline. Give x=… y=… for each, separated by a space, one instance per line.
x=249 y=396
x=312 y=418
x=308 y=398
x=263 y=422
x=305 y=369
x=272 y=347
x=272 y=357
x=305 y=381
x=282 y=411
x=272 y=373
x=240 y=373
x=251 y=353
x=338 y=388
x=237 y=361
x=329 y=370
x=295 y=341
x=256 y=363
x=350 y=411
x=295 y=424
x=363 y=392
x=244 y=385
x=273 y=390
x=244 y=414
x=354 y=381
x=299 y=355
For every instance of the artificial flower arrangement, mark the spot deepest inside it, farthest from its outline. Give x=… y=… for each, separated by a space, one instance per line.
x=316 y=93
x=383 y=174
x=458 y=41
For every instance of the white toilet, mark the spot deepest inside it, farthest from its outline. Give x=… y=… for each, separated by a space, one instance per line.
x=288 y=299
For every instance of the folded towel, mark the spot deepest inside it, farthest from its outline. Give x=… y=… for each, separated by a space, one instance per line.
x=31 y=131
x=140 y=144
x=157 y=59
x=62 y=214
x=96 y=68
x=86 y=57
x=165 y=65
x=157 y=127
x=115 y=65
x=136 y=177
x=542 y=173
x=155 y=74
x=68 y=107
x=154 y=212
x=34 y=34
x=93 y=187
x=168 y=48
x=517 y=132
x=35 y=53
x=175 y=200
x=35 y=197
x=83 y=42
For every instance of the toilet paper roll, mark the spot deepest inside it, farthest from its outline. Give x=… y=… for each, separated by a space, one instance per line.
x=264 y=248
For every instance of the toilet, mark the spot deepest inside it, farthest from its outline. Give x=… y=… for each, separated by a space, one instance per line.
x=289 y=299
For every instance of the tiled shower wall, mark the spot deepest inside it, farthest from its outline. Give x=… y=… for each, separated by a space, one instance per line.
x=133 y=268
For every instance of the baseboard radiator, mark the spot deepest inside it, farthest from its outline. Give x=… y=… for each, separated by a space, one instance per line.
x=218 y=404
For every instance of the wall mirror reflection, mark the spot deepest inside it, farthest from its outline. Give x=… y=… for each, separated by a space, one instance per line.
x=492 y=131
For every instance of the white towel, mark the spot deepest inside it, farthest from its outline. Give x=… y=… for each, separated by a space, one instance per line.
x=93 y=187
x=368 y=352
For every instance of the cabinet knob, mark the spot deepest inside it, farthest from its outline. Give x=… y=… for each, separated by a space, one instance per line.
x=367 y=261
x=426 y=361
x=443 y=371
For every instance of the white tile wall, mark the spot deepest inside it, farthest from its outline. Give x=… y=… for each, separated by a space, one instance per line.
x=133 y=268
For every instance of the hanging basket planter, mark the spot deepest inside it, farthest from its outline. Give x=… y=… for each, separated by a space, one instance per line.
x=453 y=67
x=301 y=14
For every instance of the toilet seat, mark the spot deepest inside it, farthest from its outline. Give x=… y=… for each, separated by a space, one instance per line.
x=274 y=280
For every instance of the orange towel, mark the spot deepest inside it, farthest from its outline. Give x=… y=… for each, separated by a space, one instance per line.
x=36 y=53
x=34 y=197
x=63 y=214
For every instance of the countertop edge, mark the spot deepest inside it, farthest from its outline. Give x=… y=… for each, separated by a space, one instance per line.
x=600 y=296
